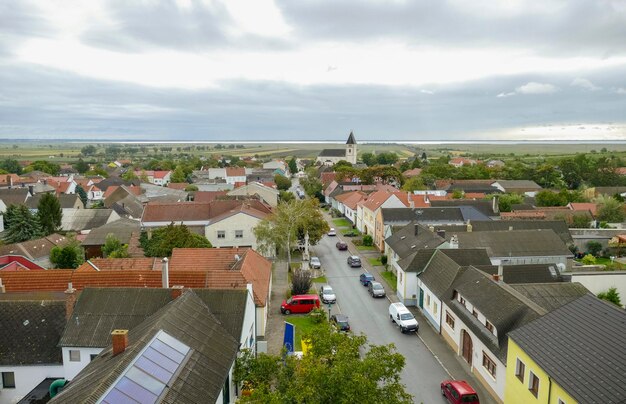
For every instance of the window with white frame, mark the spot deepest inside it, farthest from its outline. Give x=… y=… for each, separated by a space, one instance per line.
x=449 y=319
x=221 y=234
x=74 y=355
x=533 y=384
x=489 y=364
x=520 y=369
x=238 y=233
x=8 y=380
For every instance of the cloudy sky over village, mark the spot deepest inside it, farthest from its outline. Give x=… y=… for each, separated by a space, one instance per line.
x=313 y=70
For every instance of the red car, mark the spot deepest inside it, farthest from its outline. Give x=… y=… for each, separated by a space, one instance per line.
x=459 y=392
x=341 y=245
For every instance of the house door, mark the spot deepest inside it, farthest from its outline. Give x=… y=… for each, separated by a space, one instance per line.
x=421 y=298
x=467 y=347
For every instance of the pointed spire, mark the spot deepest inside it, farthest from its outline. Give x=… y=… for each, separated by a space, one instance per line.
x=351 y=139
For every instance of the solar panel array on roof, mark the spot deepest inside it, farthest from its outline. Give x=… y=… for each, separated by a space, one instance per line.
x=152 y=370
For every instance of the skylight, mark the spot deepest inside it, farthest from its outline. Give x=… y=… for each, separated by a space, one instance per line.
x=145 y=379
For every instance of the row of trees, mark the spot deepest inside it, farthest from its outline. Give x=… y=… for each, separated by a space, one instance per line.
x=22 y=225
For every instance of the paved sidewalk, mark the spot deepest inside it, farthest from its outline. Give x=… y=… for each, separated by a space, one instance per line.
x=276 y=321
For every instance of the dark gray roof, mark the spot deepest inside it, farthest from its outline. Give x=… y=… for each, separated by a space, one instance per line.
x=551 y=296
x=351 y=139
x=412 y=238
x=86 y=219
x=439 y=273
x=581 y=346
x=30 y=331
x=471 y=187
x=418 y=262
x=516 y=243
x=533 y=273
x=333 y=153
x=122 y=229
x=129 y=206
x=113 y=180
x=67 y=201
x=201 y=376
x=425 y=215
x=14 y=196
x=522 y=206
x=482 y=206
x=500 y=304
x=99 y=311
x=558 y=226
x=610 y=190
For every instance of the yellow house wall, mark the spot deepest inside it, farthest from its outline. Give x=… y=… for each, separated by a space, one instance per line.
x=517 y=392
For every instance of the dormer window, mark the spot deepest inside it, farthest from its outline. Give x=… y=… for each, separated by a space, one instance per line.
x=489 y=326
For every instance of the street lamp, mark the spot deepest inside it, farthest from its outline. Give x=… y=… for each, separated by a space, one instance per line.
x=329 y=307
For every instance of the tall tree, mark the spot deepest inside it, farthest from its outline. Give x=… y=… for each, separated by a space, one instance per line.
x=21 y=225
x=282 y=183
x=11 y=166
x=113 y=247
x=611 y=295
x=49 y=214
x=161 y=242
x=179 y=174
x=82 y=195
x=609 y=209
x=293 y=166
x=333 y=371
x=289 y=222
x=81 y=166
x=69 y=256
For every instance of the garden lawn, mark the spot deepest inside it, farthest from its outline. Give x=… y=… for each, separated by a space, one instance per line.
x=375 y=262
x=342 y=222
x=304 y=324
x=391 y=279
x=320 y=279
x=366 y=248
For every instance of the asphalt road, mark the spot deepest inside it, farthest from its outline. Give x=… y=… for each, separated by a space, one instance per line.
x=422 y=373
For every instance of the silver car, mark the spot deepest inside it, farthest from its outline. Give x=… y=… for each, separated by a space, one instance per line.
x=315 y=263
x=327 y=295
x=376 y=289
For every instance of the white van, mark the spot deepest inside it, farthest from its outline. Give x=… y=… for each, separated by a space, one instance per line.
x=399 y=314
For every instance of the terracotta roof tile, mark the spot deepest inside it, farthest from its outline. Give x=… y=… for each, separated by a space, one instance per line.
x=176 y=212
x=26 y=281
x=208 y=196
x=204 y=259
x=235 y=172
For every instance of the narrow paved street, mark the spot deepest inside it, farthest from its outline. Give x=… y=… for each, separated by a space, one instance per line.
x=422 y=373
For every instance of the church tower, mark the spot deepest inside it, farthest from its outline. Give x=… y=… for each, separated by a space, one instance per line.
x=351 y=149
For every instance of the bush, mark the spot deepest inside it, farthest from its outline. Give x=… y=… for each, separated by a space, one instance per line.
x=368 y=241
x=594 y=248
x=589 y=259
x=335 y=213
x=383 y=260
x=318 y=315
x=301 y=282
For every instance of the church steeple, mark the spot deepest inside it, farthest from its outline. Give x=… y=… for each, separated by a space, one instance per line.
x=351 y=149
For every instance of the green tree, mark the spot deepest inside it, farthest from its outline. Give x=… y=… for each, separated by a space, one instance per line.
x=594 y=248
x=369 y=159
x=11 y=166
x=282 y=183
x=191 y=188
x=46 y=167
x=387 y=158
x=162 y=241
x=580 y=221
x=311 y=184
x=289 y=222
x=609 y=209
x=49 y=214
x=21 y=225
x=611 y=295
x=339 y=368
x=414 y=184
x=179 y=174
x=82 y=195
x=286 y=196
x=506 y=201
x=549 y=198
x=81 y=166
x=293 y=166
x=342 y=163
x=97 y=171
x=113 y=247
x=88 y=150
x=129 y=175
x=69 y=256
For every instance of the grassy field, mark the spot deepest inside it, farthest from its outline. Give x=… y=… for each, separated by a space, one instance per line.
x=342 y=223
x=391 y=279
x=375 y=261
x=304 y=324
x=320 y=279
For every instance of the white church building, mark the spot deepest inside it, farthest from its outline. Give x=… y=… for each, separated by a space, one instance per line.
x=332 y=156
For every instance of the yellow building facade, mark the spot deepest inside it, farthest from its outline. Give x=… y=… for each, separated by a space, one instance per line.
x=527 y=383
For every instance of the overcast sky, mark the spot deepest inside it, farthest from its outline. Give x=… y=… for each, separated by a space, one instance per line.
x=313 y=69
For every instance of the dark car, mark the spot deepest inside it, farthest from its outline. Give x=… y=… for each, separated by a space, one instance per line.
x=366 y=278
x=376 y=289
x=341 y=245
x=340 y=321
x=354 y=261
x=459 y=392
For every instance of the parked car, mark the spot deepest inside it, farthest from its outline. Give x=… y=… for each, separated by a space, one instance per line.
x=366 y=278
x=332 y=232
x=341 y=246
x=340 y=321
x=315 y=263
x=350 y=234
x=354 y=261
x=376 y=289
x=300 y=304
x=459 y=392
x=327 y=294
x=399 y=314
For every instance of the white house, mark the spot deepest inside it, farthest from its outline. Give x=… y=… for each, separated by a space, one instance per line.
x=234 y=228
x=268 y=194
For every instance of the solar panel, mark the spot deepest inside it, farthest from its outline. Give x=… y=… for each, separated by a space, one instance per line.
x=145 y=379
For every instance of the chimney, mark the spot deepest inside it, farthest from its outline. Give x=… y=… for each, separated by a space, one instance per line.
x=416 y=228
x=495 y=206
x=431 y=228
x=411 y=202
x=454 y=241
x=495 y=277
x=501 y=272
x=31 y=190
x=119 y=338
x=469 y=227
x=510 y=228
x=165 y=274
x=70 y=301
x=3 y=288
x=176 y=291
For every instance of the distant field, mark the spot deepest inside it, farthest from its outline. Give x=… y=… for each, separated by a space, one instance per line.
x=68 y=152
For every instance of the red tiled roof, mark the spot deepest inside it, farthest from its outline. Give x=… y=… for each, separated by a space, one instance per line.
x=258 y=271
x=270 y=184
x=176 y=212
x=328 y=177
x=208 y=196
x=18 y=262
x=419 y=201
x=204 y=259
x=109 y=264
x=110 y=190
x=351 y=199
x=25 y=281
x=160 y=174
x=474 y=195
x=235 y=172
x=239 y=184
x=376 y=199
x=591 y=207
x=9 y=179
